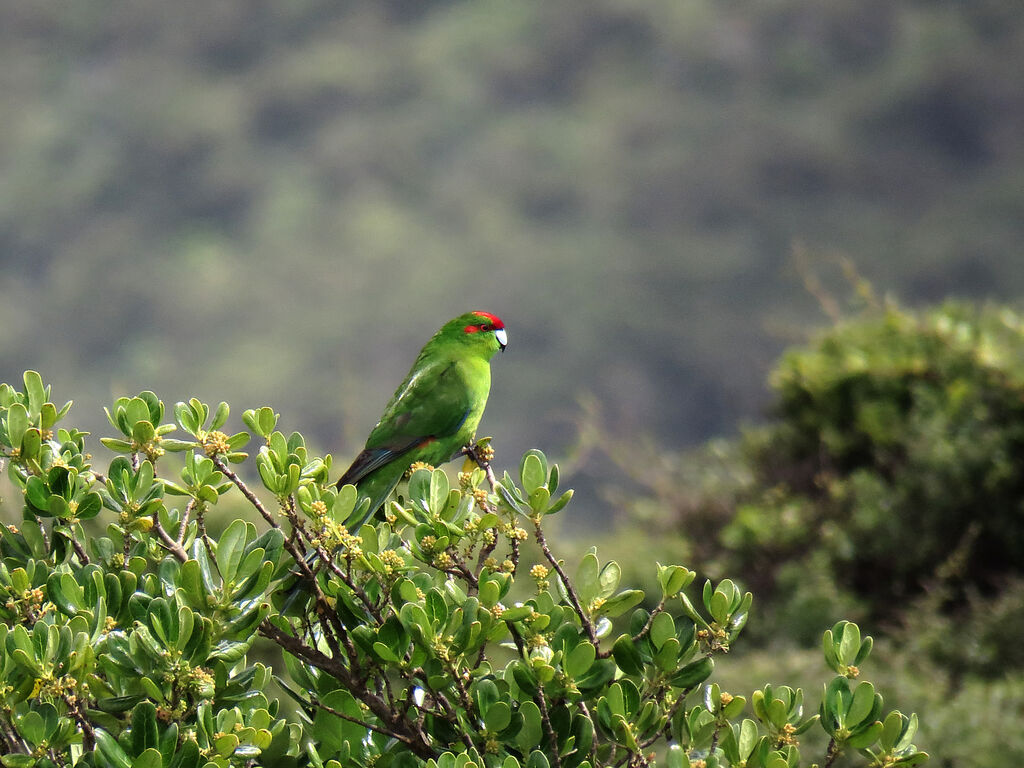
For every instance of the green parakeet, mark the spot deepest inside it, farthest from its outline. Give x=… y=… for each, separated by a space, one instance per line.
x=431 y=416
x=435 y=411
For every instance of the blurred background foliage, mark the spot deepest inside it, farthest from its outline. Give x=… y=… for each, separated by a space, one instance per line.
x=273 y=203
x=310 y=186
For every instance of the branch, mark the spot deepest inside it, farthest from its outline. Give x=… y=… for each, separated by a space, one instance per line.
x=473 y=453
x=552 y=736
x=175 y=548
x=362 y=723
x=83 y=558
x=450 y=713
x=336 y=669
x=88 y=734
x=183 y=527
x=650 y=620
x=218 y=462
x=833 y=752
x=570 y=591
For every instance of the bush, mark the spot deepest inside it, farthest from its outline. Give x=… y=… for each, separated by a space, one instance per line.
x=423 y=640
x=891 y=472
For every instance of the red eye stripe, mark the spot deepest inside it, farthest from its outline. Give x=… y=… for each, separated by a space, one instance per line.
x=495 y=323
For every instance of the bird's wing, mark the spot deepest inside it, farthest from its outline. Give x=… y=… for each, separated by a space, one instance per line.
x=432 y=403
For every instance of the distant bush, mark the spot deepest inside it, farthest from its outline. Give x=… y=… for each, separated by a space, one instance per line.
x=423 y=640
x=893 y=462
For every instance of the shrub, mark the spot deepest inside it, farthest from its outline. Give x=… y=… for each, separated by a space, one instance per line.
x=425 y=639
x=893 y=463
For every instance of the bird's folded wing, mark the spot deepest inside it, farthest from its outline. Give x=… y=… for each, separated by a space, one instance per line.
x=432 y=403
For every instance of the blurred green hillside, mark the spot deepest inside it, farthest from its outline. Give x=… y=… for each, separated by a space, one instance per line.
x=623 y=181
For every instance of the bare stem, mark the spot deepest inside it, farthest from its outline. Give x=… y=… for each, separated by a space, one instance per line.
x=552 y=736
x=384 y=731
x=174 y=547
x=218 y=462
x=570 y=590
x=650 y=620
x=183 y=527
x=833 y=752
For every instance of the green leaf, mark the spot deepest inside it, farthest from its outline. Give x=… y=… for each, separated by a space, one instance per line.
x=516 y=613
x=587 y=579
x=662 y=628
x=861 y=704
x=498 y=716
x=220 y=416
x=150 y=758
x=537 y=759
x=694 y=673
x=144 y=727
x=849 y=645
x=110 y=752
x=676 y=757
x=559 y=504
x=32 y=728
x=531 y=732
x=620 y=603
x=35 y=392
x=17 y=424
x=863 y=738
x=17 y=761
x=609 y=579
x=532 y=473
x=330 y=732
x=438 y=490
x=673 y=578
x=627 y=656
x=578 y=661
x=230 y=549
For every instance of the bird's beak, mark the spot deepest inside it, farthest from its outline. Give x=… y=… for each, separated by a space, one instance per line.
x=502 y=338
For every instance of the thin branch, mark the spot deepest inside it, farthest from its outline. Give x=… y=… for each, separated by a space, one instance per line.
x=249 y=495
x=552 y=736
x=183 y=527
x=833 y=752
x=174 y=547
x=570 y=590
x=350 y=583
x=449 y=710
x=593 y=743
x=83 y=558
x=88 y=734
x=650 y=620
x=461 y=569
x=396 y=721
x=362 y=723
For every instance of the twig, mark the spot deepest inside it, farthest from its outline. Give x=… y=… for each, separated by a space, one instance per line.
x=249 y=495
x=593 y=743
x=570 y=590
x=833 y=752
x=175 y=548
x=543 y=705
x=650 y=620
x=183 y=527
x=397 y=722
x=88 y=734
x=83 y=558
x=449 y=710
x=362 y=723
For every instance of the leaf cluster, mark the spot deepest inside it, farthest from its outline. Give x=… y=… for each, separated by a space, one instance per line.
x=447 y=635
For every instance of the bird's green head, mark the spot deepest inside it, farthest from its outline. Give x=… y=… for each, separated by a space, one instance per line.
x=481 y=332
